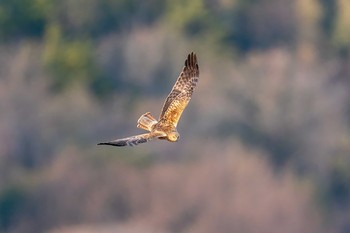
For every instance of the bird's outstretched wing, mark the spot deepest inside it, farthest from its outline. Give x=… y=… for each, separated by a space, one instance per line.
x=134 y=140
x=182 y=91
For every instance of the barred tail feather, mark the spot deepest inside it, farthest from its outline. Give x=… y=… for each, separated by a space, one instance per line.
x=146 y=121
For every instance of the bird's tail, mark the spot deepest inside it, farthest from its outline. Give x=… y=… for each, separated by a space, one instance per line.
x=146 y=121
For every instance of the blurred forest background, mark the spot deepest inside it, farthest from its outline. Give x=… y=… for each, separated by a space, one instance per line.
x=265 y=142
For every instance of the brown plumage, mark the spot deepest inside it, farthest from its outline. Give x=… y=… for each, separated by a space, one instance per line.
x=174 y=105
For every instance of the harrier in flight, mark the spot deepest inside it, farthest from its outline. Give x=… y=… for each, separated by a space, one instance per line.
x=175 y=104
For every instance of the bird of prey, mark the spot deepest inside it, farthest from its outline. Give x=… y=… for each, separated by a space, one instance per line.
x=175 y=104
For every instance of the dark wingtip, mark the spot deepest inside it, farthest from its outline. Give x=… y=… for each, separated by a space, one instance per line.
x=191 y=60
x=111 y=144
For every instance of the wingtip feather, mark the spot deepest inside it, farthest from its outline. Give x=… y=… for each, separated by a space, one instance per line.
x=112 y=143
x=191 y=60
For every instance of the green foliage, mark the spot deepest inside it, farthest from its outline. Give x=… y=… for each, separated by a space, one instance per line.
x=69 y=61
x=122 y=14
x=341 y=34
x=338 y=188
x=328 y=18
x=11 y=199
x=23 y=17
x=94 y=18
x=242 y=26
x=190 y=16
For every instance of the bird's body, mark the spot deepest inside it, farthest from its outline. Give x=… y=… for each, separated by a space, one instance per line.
x=175 y=104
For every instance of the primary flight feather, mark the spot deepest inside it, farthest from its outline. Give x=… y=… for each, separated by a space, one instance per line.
x=174 y=105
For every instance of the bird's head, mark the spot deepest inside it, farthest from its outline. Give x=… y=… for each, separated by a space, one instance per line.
x=173 y=136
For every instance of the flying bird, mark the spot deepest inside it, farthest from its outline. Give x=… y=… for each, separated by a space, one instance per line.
x=174 y=105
